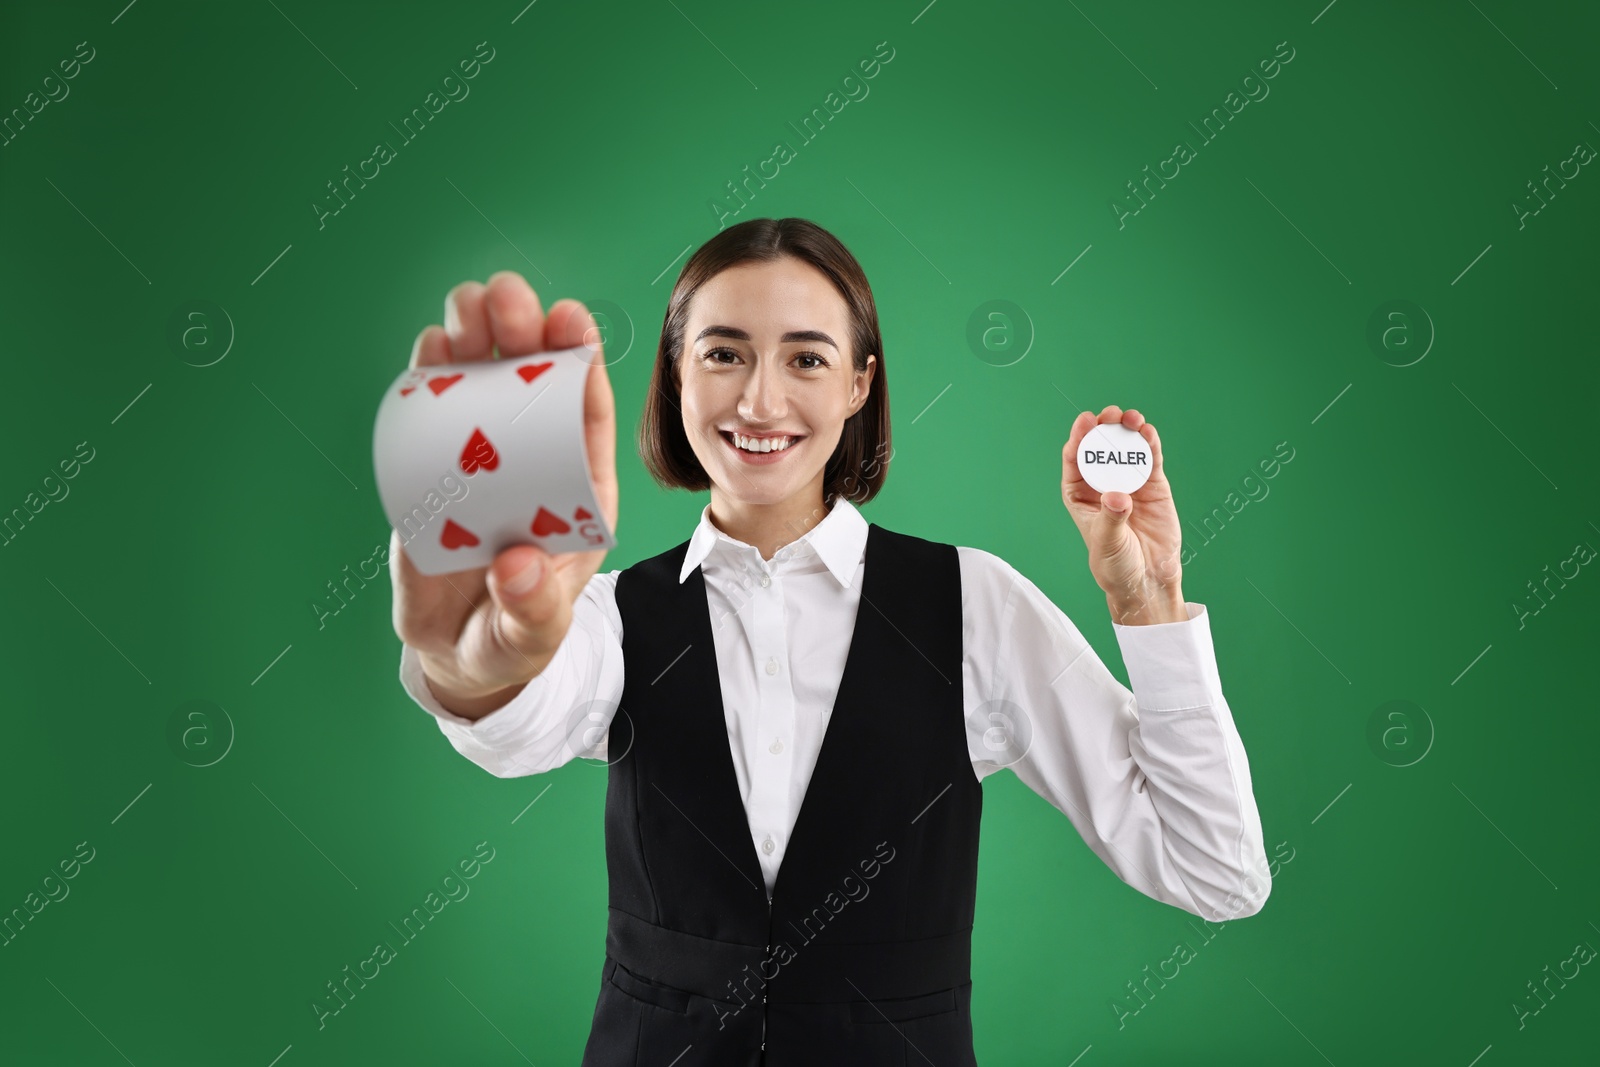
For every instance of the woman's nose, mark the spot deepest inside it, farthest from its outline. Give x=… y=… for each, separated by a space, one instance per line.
x=763 y=398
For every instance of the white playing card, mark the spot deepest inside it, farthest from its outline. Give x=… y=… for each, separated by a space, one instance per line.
x=473 y=458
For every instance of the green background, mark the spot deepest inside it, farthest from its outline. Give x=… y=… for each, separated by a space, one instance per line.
x=1233 y=311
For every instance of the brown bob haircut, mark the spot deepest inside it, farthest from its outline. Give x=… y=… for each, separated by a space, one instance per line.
x=860 y=462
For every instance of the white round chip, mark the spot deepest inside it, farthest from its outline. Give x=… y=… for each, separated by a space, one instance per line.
x=1114 y=459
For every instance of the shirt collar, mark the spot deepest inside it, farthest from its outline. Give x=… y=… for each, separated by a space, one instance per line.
x=838 y=540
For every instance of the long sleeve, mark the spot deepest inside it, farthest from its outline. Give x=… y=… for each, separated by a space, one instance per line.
x=563 y=713
x=1154 y=779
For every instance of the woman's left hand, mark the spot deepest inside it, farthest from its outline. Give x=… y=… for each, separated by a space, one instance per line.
x=1134 y=540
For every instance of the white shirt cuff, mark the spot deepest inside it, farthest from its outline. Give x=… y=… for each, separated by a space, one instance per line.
x=1171 y=665
x=496 y=724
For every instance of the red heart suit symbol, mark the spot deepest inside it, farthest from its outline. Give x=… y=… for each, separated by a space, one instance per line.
x=478 y=453
x=457 y=536
x=439 y=385
x=546 y=523
x=529 y=371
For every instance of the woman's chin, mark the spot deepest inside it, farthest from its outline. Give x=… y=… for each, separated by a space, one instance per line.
x=757 y=497
x=758 y=488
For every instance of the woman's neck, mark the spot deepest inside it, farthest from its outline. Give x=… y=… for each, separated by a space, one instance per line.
x=767 y=527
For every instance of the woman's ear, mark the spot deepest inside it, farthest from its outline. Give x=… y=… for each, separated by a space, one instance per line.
x=862 y=385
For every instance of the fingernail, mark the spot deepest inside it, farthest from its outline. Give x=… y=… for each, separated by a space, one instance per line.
x=525 y=579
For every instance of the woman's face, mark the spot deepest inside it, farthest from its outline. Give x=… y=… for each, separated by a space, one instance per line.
x=767 y=354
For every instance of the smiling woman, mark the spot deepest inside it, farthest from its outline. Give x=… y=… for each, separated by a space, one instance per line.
x=769 y=387
x=792 y=685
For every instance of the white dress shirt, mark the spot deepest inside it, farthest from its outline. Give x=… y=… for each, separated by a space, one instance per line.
x=1154 y=780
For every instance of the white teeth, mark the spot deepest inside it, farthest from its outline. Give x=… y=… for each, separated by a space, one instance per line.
x=762 y=444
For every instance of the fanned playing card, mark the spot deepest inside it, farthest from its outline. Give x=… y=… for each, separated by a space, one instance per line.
x=473 y=458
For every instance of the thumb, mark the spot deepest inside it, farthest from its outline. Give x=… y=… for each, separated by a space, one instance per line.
x=1114 y=511
x=528 y=594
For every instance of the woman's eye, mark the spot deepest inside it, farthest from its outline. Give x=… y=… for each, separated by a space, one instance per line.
x=715 y=352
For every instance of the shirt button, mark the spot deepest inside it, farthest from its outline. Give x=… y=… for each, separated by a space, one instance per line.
x=772 y=666
x=766 y=580
x=776 y=746
x=767 y=846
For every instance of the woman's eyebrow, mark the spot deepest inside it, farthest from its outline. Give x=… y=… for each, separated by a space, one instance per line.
x=742 y=335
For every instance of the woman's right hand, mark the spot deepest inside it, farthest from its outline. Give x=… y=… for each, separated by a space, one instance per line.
x=480 y=640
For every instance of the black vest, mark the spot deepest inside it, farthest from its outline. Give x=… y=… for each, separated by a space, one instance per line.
x=862 y=955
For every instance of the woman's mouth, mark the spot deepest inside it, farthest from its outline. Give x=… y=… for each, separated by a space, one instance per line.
x=761 y=450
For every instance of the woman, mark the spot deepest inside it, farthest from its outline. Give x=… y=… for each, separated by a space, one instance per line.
x=786 y=888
